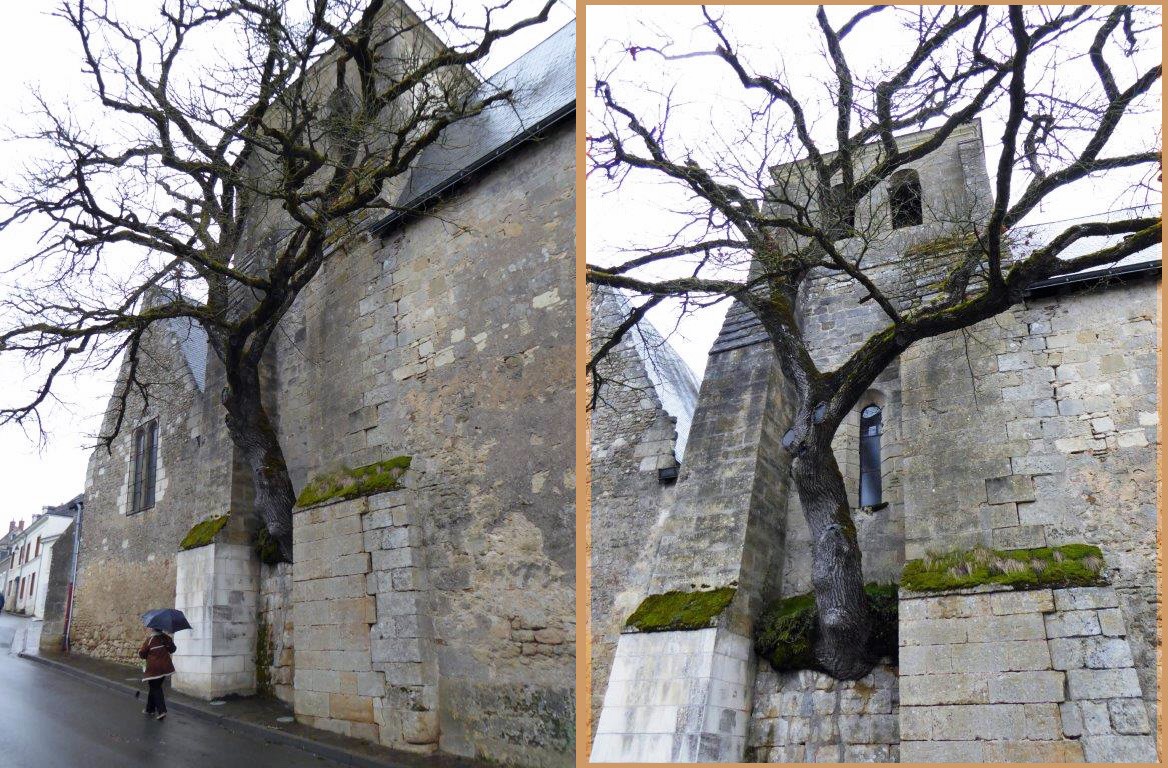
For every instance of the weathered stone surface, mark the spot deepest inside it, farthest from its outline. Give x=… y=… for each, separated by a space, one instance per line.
x=1102 y=683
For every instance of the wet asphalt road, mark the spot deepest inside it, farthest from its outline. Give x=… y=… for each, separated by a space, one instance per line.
x=51 y=720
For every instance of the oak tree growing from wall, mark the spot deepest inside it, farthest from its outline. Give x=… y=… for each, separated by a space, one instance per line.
x=219 y=150
x=785 y=195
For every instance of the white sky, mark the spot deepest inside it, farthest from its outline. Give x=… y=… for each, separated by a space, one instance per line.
x=706 y=95
x=39 y=50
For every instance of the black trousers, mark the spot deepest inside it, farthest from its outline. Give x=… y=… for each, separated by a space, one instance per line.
x=155 y=701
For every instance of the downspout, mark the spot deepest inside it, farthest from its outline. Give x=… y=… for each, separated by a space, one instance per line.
x=72 y=575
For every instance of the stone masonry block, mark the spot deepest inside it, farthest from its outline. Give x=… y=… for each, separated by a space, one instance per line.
x=1102 y=683
x=1129 y=716
x=1108 y=653
x=1021 y=626
x=347 y=706
x=1068 y=652
x=1042 y=722
x=1072 y=719
x=1085 y=598
x=1111 y=622
x=944 y=689
x=1018 y=655
x=1119 y=749
x=1019 y=537
x=1027 y=687
x=1072 y=624
x=1000 y=490
x=1027 y=601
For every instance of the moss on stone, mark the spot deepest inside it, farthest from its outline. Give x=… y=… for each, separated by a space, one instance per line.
x=940 y=246
x=263 y=658
x=353 y=483
x=680 y=610
x=1069 y=565
x=203 y=533
x=266 y=547
x=786 y=632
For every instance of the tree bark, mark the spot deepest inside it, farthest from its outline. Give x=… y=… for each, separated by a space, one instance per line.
x=252 y=432
x=845 y=618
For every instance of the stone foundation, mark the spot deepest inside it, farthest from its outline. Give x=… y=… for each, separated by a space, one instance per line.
x=217 y=587
x=809 y=717
x=676 y=697
x=276 y=621
x=364 y=663
x=1036 y=676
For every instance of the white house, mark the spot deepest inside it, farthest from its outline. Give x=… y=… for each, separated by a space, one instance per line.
x=32 y=554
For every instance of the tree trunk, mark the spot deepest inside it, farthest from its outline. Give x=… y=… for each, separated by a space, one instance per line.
x=253 y=434
x=845 y=618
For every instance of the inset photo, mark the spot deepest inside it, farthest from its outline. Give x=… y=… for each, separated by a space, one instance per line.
x=873 y=381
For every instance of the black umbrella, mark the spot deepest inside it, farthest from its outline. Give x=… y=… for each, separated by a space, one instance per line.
x=168 y=620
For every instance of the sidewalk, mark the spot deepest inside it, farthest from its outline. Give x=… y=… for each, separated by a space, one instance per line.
x=252 y=715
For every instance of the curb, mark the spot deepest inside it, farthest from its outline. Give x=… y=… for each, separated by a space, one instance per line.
x=336 y=754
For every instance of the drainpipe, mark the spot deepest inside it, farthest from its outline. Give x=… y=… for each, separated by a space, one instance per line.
x=73 y=574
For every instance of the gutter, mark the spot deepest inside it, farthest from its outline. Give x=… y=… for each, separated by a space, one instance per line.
x=73 y=574
x=1052 y=284
x=414 y=206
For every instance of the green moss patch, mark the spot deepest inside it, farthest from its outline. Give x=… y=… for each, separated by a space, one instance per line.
x=786 y=632
x=353 y=483
x=680 y=610
x=266 y=548
x=943 y=245
x=1071 y=565
x=203 y=533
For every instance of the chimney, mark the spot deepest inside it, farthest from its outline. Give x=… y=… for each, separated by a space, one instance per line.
x=21 y=528
x=11 y=526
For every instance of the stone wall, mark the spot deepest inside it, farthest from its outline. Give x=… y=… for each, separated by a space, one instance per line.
x=217 y=588
x=632 y=436
x=57 y=591
x=126 y=561
x=1035 y=676
x=365 y=662
x=1042 y=429
x=275 y=626
x=452 y=341
x=676 y=697
x=810 y=717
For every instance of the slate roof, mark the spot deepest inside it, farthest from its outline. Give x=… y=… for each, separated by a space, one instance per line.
x=68 y=509
x=192 y=342
x=543 y=82
x=673 y=380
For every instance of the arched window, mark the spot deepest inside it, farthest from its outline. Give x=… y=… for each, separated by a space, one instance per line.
x=870 y=491
x=839 y=219
x=904 y=196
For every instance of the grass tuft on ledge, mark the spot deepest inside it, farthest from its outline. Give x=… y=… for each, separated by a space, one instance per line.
x=348 y=483
x=203 y=532
x=680 y=610
x=1070 y=565
x=786 y=632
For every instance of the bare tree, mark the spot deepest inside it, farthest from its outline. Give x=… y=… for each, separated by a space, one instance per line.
x=784 y=198
x=228 y=147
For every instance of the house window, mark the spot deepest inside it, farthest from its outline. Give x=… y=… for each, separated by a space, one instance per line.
x=145 y=466
x=38 y=547
x=31 y=586
x=839 y=219
x=870 y=422
x=904 y=196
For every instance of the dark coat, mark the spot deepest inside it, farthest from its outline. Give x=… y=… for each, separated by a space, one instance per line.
x=156 y=650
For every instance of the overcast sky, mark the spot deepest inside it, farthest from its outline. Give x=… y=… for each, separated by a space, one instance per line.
x=39 y=50
x=706 y=96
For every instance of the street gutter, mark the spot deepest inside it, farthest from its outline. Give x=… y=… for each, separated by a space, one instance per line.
x=328 y=751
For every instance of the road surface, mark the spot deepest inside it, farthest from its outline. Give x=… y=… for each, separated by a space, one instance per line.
x=51 y=720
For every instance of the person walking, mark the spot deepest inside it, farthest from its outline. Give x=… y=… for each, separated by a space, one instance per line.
x=156 y=650
x=1 y=602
